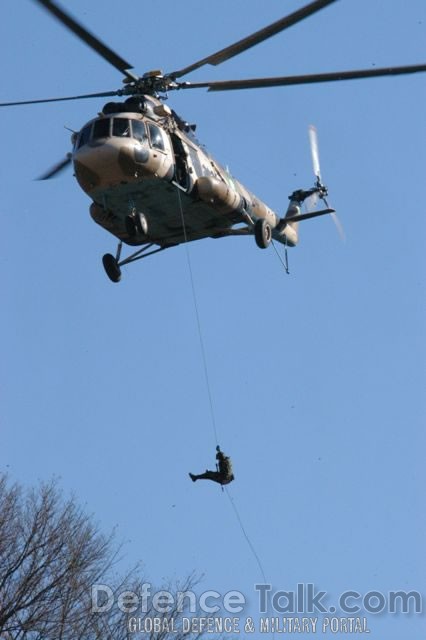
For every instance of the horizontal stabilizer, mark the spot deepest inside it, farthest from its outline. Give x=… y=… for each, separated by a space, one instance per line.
x=306 y=216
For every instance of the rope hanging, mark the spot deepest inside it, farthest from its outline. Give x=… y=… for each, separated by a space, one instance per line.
x=197 y=315
x=203 y=353
x=231 y=500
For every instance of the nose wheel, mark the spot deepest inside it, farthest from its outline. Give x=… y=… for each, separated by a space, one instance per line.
x=136 y=224
x=111 y=267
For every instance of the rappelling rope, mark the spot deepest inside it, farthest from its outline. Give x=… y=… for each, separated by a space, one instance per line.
x=197 y=315
x=253 y=550
x=206 y=374
x=231 y=500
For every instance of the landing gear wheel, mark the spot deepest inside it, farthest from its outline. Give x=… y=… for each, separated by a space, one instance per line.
x=136 y=224
x=141 y=223
x=262 y=233
x=111 y=267
x=131 y=226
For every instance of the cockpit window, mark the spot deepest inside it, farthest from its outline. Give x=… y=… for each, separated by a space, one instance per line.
x=139 y=131
x=121 y=128
x=101 y=129
x=84 y=135
x=156 y=137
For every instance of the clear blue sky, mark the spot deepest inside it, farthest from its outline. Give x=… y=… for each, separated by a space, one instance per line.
x=317 y=378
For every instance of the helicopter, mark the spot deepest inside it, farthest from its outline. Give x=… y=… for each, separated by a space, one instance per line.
x=152 y=184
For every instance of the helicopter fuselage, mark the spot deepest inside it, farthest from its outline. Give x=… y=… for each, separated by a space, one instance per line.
x=151 y=182
x=139 y=160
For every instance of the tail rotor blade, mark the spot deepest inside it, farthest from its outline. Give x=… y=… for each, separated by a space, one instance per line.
x=313 y=140
x=312 y=201
x=339 y=226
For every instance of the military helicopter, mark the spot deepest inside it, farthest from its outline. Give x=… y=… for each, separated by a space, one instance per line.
x=151 y=183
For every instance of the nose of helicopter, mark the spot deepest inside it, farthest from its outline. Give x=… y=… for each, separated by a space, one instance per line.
x=107 y=164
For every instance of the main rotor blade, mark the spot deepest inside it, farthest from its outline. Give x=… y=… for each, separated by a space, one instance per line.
x=103 y=94
x=260 y=83
x=108 y=54
x=255 y=38
x=60 y=166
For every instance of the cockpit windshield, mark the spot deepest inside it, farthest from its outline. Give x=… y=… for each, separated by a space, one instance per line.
x=84 y=136
x=116 y=127
x=101 y=129
x=139 y=131
x=121 y=127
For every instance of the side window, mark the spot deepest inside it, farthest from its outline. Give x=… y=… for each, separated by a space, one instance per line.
x=101 y=129
x=139 y=131
x=121 y=128
x=195 y=161
x=156 y=136
x=84 y=136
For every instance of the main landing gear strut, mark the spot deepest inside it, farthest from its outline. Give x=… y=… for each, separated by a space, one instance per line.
x=112 y=264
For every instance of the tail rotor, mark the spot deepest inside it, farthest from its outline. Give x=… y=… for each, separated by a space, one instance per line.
x=320 y=192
